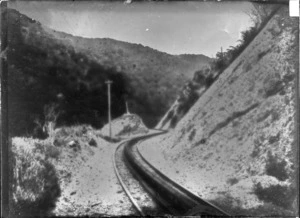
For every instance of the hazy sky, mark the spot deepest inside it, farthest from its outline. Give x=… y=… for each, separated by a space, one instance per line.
x=173 y=27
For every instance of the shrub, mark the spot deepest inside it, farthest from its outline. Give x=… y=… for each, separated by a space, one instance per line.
x=199 y=77
x=52 y=152
x=173 y=122
x=46 y=149
x=192 y=135
x=51 y=114
x=93 y=142
x=232 y=181
x=276 y=168
x=38 y=131
x=272 y=87
x=209 y=80
x=282 y=196
x=34 y=183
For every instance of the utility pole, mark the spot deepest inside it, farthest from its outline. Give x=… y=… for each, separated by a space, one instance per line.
x=127 y=109
x=222 y=52
x=108 y=82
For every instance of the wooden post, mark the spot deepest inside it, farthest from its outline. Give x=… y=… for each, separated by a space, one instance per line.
x=222 y=52
x=127 y=109
x=108 y=82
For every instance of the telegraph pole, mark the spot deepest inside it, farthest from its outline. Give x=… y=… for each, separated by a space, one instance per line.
x=108 y=82
x=127 y=109
x=222 y=52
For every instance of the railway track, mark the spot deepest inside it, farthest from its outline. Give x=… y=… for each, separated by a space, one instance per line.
x=150 y=191
x=142 y=201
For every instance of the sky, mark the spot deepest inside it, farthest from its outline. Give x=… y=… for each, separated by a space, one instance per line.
x=173 y=27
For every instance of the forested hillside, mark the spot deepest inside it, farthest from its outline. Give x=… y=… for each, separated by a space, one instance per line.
x=57 y=77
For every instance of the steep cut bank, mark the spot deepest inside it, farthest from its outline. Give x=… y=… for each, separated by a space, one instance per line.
x=46 y=67
x=236 y=147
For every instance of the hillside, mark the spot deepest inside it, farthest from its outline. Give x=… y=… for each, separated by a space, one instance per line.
x=236 y=147
x=47 y=67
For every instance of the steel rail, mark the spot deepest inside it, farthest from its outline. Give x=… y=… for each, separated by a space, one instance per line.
x=171 y=195
x=126 y=190
x=135 y=204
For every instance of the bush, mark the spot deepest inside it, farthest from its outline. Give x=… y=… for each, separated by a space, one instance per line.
x=52 y=152
x=47 y=149
x=93 y=142
x=282 y=196
x=34 y=183
x=74 y=137
x=51 y=114
x=276 y=168
x=192 y=135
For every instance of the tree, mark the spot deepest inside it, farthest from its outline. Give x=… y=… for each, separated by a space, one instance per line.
x=260 y=12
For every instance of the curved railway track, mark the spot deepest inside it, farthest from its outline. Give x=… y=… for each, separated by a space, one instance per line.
x=150 y=191
x=142 y=201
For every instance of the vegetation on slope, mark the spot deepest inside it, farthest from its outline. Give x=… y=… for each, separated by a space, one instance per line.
x=205 y=76
x=35 y=187
x=260 y=15
x=187 y=97
x=41 y=169
x=47 y=67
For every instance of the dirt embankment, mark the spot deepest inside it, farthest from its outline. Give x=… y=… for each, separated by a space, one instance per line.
x=236 y=146
x=70 y=173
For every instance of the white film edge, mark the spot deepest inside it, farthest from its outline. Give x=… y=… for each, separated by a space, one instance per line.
x=294 y=8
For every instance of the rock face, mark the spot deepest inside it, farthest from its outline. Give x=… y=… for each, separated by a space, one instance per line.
x=125 y=126
x=236 y=147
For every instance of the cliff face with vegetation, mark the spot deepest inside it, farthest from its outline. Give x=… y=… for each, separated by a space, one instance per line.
x=236 y=147
x=205 y=77
x=187 y=97
x=47 y=68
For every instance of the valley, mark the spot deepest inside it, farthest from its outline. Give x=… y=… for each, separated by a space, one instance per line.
x=189 y=134
x=69 y=73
